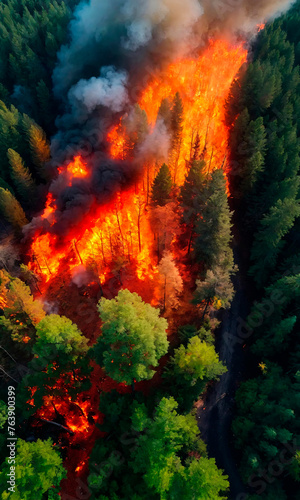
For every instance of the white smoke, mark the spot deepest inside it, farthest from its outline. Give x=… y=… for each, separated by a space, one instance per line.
x=231 y=16
x=80 y=276
x=165 y=27
x=167 y=19
x=141 y=22
x=156 y=144
x=108 y=90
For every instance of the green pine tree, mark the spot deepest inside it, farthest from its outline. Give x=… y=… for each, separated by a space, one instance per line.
x=12 y=210
x=162 y=186
x=213 y=227
x=20 y=175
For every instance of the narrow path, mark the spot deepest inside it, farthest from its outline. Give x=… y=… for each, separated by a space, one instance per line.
x=215 y=420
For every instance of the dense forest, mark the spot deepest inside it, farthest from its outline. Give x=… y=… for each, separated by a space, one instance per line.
x=108 y=344
x=265 y=154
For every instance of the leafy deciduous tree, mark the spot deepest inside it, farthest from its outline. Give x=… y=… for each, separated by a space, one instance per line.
x=133 y=338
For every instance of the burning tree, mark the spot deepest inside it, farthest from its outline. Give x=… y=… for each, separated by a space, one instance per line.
x=16 y=298
x=165 y=224
x=133 y=338
x=171 y=283
x=60 y=364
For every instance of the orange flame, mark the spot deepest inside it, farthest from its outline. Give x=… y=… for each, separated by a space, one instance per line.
x=121 y=228
x=260 y=27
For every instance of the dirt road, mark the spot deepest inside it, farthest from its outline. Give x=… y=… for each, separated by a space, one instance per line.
x=215 y=420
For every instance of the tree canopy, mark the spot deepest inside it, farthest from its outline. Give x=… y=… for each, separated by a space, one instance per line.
x=38 y=470
x=133 y=338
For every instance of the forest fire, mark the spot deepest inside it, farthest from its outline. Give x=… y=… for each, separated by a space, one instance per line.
x=120 y=229
x=144 y=203
x=79 y=417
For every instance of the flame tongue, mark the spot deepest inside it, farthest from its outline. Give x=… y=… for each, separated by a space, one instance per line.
x=121 y=228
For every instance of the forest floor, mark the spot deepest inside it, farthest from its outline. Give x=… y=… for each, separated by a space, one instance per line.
x=216 y=410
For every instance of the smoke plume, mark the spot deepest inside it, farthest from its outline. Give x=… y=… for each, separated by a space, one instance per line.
x=112 y=44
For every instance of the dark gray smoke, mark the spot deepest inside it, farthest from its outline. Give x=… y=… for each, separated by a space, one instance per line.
x=115 y=46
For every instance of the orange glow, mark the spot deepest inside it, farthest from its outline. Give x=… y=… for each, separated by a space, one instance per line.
x=75 y=412
x=76 y=169
x=119 y=232
x=203 y=85
x=3 y=303
x=260 y=27
x=117 y=140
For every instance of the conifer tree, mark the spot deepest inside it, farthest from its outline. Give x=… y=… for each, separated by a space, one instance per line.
x=44 y=101
x=193 y=185
x=20 y=175
x=191 y=197
x=40 y=149
x=196 y=149
x=162 y=186
x=213 y=228
x=12 y=210
x=217 y=288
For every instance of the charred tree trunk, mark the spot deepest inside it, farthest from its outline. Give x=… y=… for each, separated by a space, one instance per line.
x=77 y=252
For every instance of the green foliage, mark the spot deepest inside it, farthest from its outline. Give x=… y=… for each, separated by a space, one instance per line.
x=40 y=149
x=38 y=470
x=162 y=186
x=194 y=364
x=267 y=408
x=213 y=227
x=295 y=467
x=133 y=338
x=248 y=141
x=269 y=239
x=12 y=210
x=265 y=145
x=156 y=455
x=162 y=455
x=20 y=175
x=191 y=191
x=198 y=360
x=3 y=414
x=18 y=298
x=59 y=332
x=217 y=288
x=28 y=54
x=265 y=157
